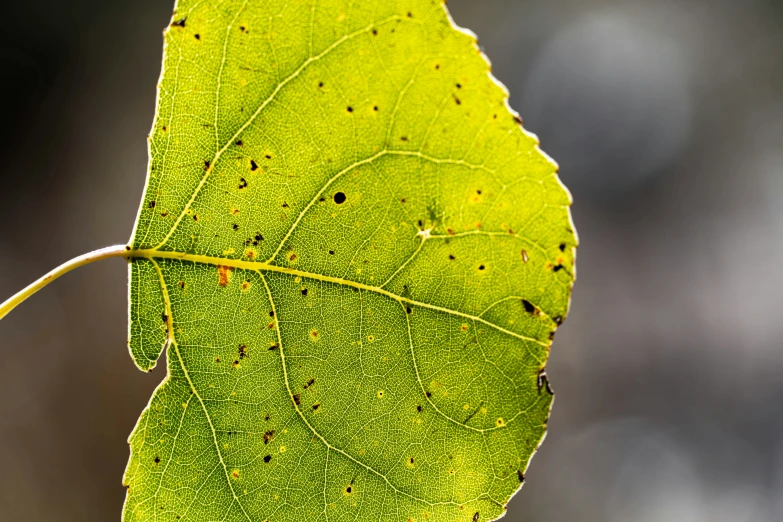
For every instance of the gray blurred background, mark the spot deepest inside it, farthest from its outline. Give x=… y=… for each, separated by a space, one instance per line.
x=667 y=120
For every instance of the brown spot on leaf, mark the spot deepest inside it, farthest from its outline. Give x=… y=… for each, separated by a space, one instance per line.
x=224 y=275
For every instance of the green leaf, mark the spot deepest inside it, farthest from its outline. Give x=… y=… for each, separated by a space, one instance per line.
x=357 y=260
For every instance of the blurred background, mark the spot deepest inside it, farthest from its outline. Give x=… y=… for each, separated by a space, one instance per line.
x=667 y=120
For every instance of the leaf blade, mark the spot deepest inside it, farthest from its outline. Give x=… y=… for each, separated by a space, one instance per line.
x=364 y=200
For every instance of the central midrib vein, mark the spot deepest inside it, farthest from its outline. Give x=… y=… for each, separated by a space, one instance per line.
x=267 y=267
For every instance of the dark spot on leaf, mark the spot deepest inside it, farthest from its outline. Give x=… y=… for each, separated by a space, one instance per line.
x=437 y=66
x=375 y=32
x=253 y=165
x=181 y=284
x=238 y=143
x=457 y=100
x=197 y=36
x=331 y=252
x=151 y=204
x=268 y=156
x=274 y=347
x=408 y=310
x=206 y=165
x=242 y=351
x=297 y=399
x=271 y=313
x=269 y=435
x=235 y=226
x=562 y=247
x=304 y=292
x=348 y=490
x=349 y=109
x=242 y=183
x=320 y=84
x=418 y=408
x=403 y=138
x=403 y=200
x=285 y=205
x=428 y=394
x=543 y=382
x=558 y=320
x=476 y=517
x=178 y=23
x=165 y=318
x=529 y=308
x=520 y=476
x=451 y=256
x=481 y=267
x=518 y=119
x=557 y=268
x=157 y=460
x=316 y=406
x=459 y=86
x=309 y=383
x=339 y=198
x=375 y=108
x=268 y=458
x=410 y=15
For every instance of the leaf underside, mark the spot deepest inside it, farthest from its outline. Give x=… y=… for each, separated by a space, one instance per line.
x=356 y=259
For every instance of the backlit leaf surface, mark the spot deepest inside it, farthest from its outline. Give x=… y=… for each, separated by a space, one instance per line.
x=356 y=260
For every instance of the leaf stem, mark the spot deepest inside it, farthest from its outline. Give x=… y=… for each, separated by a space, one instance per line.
x=76 y=262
